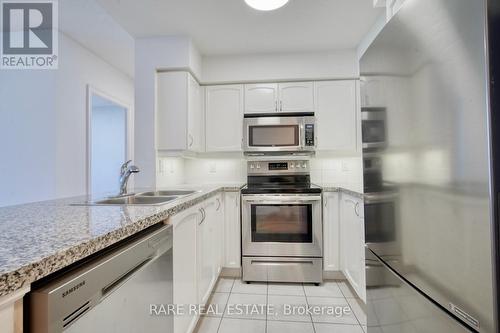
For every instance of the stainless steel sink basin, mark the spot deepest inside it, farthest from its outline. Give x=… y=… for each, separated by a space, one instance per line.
x=166 y=193
x=150 y=198
x=135 y=200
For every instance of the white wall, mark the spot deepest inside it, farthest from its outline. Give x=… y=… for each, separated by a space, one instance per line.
x=79 y=67
x=281 y=66
x=28 y=136
x=44 y=123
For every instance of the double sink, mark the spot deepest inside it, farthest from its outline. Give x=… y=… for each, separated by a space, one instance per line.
x=145 y=198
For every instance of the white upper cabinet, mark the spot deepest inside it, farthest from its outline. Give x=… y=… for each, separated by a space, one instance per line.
x=336 y=115
x=279 y=97
x=372 y=92
x=179 y=118
x=196 y=130
x=261 y=98
x=296 y=97
x=224 y=118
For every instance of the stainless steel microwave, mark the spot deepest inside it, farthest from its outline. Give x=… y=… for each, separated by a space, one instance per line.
x=279 y=133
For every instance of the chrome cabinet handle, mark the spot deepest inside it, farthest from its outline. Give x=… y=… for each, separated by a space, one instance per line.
x=191 y=140
x=218 y=204
x=281 y=105
x=356 y=206
x=202 y=211
x=275 y=105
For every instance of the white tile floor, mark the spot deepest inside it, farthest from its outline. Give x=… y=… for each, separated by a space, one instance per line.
x=231 y=291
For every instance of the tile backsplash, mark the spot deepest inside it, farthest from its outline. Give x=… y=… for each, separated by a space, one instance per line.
x=335 y=171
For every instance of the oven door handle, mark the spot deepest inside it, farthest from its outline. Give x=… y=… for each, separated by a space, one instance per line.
x=282 y=199
x=281 y=262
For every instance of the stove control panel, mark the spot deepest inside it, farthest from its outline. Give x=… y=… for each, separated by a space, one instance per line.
x=278 y=167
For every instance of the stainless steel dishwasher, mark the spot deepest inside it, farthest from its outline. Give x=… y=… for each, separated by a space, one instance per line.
x=112 y=293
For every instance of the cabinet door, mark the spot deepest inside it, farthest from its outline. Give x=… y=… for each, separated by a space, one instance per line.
x=353 y=243
x=195 y=136
x=372 y=92
x=206 y=251
x=185 y=266
x=219 y=234
x=331 y=229
x=261 y=98
x=336 y=115
x=171 y=113
x=232 y=236
x=296 y=97
x=224 y=118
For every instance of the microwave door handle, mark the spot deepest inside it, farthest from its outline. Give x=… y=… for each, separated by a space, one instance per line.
x=302 y=137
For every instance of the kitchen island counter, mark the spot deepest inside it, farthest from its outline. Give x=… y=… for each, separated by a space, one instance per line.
x=38 y=239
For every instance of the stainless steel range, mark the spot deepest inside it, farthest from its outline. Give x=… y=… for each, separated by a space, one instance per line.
x=282 y=232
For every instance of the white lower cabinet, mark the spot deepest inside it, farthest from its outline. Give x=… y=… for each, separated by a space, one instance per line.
x=331 y=229
x=232 y=235
x=185 y=277
x=205 y=253
x=197 y=252
x=352 y=242
x=209 y=247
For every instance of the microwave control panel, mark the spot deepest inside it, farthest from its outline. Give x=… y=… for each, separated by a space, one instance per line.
x=309 y=135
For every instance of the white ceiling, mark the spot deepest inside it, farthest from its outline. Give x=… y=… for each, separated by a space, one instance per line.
x=230 y=27
x=89 y=24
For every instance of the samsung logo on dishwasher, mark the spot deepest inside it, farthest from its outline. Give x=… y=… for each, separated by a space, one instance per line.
x=74 y=288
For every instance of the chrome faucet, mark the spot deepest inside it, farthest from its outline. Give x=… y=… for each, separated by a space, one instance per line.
x=125 y=173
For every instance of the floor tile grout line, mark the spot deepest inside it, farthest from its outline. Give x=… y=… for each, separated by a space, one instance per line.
x=350 y=307
x=224 y=312
x=307 y=303
x=267 y=303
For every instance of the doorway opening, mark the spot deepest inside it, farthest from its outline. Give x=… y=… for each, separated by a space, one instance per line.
x=108 y=144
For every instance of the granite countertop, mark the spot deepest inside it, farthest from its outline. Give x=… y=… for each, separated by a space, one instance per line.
x=336 y=188
x=38 y=239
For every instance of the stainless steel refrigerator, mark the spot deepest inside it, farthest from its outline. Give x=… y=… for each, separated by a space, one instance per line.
x=429 y=126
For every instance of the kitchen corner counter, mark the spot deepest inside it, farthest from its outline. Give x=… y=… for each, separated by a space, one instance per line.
x=334 y=188
x=41 y=238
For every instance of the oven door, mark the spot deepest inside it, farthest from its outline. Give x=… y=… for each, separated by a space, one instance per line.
x=274 y=134
x=282 y=225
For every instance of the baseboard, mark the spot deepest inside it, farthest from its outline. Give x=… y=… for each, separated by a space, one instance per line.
x=333 y=275
x=231 y=272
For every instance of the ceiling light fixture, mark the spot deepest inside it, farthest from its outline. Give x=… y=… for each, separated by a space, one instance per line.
x=266 y=4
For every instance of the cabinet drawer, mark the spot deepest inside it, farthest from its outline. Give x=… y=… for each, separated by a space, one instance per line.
x=283 y=269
